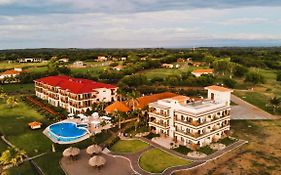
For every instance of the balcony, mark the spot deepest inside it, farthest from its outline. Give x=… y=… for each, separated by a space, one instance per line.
x=207 y=121
x=158 y=114
x=158 y=124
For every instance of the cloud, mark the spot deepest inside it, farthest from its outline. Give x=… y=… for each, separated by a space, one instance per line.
x=243 y=21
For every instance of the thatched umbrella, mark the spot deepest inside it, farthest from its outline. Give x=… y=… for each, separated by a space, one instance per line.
x=93 y=149
x=97 y=161
x=71 y=152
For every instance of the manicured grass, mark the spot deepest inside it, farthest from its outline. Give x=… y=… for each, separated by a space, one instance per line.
x=128 y=146
x=19 y=88
x=14 y=125
x=3 y=146
x=156 y=161
x=183 y=150
x=50 y=163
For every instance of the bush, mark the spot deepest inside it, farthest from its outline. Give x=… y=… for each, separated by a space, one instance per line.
x=152 y=135
x=239 y=70
x=229 y=82
x=254 y=77
x=183 y=150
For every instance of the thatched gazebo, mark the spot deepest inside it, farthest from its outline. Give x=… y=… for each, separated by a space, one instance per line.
x=71 y=152
x=93 y=149
x=97 y=161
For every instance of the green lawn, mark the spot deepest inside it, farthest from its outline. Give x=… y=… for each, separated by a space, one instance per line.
x=18 y=88
x=38 y=69
x=156 y=161
x=128 y=146
x=24 y=169
x=14 y=124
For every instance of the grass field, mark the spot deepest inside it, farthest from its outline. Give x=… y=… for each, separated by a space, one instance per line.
x=14 y=125
x=156 y=161
x=18 y=88
x=6 y=65
x=165 y=72
x=128 y=146
x=261 y=93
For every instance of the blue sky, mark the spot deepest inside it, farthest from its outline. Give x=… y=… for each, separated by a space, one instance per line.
x=139 y=23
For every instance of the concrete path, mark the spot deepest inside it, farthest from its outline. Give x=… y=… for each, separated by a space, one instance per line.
x=246 y=111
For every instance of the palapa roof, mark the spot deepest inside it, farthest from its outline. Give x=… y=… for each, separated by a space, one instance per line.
x=35 y=123
x=117 y=106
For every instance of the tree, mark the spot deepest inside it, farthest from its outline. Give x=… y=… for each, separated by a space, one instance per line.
x=223 y=67
x=278 y=78
x=11 y=101
x=254 y=78
x=3 y=95
x=12 y=156
x=275 y=102
x=229 y=82
x=133 y=99
x=239 y=70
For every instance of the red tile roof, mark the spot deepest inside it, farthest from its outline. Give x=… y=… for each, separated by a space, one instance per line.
x=74 y=85
x=203 y=71
x=117 y=106
x=145 y=100
x=10 y=72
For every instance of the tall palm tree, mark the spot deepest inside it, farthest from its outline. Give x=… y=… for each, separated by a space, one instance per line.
x=12 y=156
x=119 y=116
x=133 y=99
x=275 y=102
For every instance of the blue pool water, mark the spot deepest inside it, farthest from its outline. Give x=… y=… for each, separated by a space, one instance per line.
x=66 y=131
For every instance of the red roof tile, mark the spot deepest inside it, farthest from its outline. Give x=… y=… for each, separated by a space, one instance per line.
x=74 y=85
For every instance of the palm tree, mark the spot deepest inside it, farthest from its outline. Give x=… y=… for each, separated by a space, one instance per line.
x=13 y=156
x=133 y=99
x=11 y=101
x=275 y=102
x=119 y=115
x=3 y=95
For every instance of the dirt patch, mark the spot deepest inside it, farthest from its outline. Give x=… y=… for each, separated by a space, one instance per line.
x=262 y=155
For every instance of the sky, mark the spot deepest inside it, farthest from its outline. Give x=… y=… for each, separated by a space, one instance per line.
x=138 y=23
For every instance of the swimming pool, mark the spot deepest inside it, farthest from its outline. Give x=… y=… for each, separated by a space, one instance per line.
x=66 y=131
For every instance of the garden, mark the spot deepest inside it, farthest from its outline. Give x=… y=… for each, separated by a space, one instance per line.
x=128 y=146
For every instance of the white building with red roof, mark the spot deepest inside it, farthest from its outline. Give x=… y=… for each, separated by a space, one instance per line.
x=76 y=95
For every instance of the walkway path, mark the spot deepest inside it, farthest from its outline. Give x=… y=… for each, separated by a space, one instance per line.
x=134 y=158
x=246 y=111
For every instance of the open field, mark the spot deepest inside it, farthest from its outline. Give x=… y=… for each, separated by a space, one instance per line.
x=6 y=65
x=156 y=161
x=262 y=155
x=18 y=88
x=128 y=146
x=165 y=72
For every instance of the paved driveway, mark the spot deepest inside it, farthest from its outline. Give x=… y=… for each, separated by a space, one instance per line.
x=246 y=111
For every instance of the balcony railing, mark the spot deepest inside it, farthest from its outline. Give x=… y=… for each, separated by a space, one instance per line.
x=196 y=134
x=164 y=125
x=196 y=123
x=159 y=114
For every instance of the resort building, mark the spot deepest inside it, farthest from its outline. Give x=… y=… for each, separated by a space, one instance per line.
x=193 y=123
x=30 y=60
x=76 y=95
x=13 y=73
x=199 y=72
